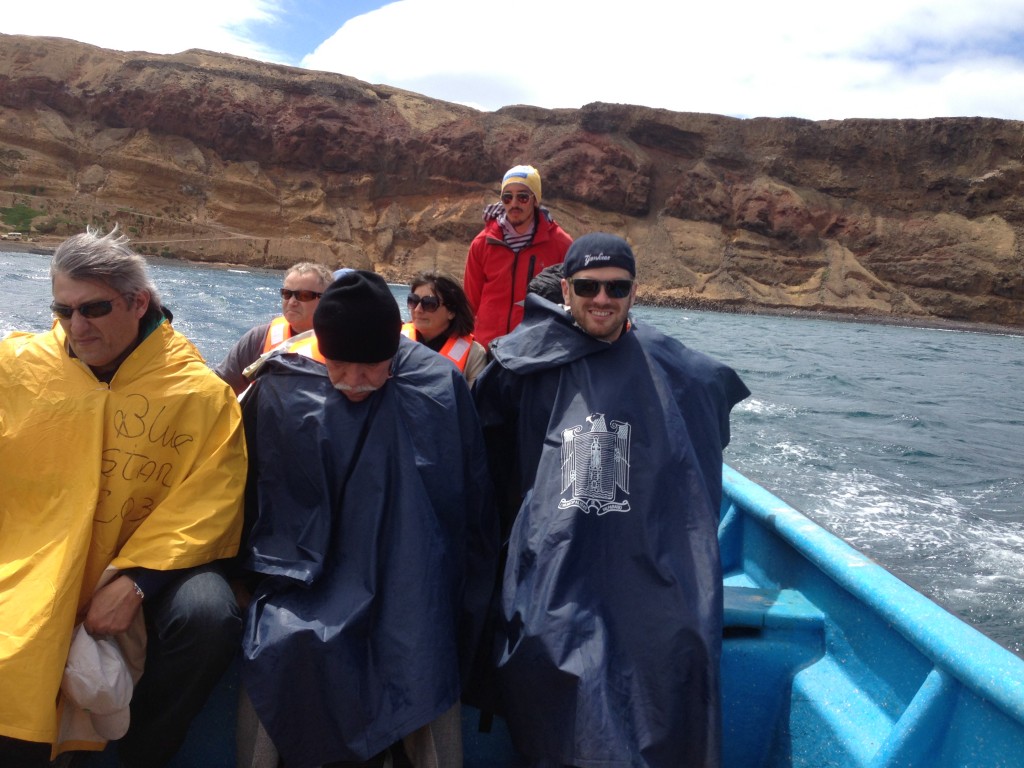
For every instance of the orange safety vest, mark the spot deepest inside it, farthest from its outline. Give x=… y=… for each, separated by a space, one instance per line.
x=308 y=348
x=455 y=349
x=278 y=332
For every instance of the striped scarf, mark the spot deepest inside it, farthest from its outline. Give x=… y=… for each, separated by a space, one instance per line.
x=513 y=239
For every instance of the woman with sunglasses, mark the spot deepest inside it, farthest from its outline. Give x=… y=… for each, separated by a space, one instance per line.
x=304 y=284
x=443 y=321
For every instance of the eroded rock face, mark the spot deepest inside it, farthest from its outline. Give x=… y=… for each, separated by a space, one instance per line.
x=212 y=157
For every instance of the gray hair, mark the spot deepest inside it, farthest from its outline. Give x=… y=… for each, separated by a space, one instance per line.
x=306 y=267
x=106 y=259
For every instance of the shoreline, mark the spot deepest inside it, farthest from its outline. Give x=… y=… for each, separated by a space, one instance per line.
x=28 y=246
x=700 y=305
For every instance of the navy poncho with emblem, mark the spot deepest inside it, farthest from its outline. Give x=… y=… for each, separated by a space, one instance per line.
x=611 y=608
x=372 y=526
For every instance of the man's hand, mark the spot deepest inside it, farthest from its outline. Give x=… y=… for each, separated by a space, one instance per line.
x=493 y=211
x=113 y=608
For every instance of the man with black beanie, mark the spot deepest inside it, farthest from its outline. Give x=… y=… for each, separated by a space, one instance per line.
x=370 y=533
x=357 y=328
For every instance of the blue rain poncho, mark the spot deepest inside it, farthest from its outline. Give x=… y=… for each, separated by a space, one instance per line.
x=610 y=622
x=373 y=528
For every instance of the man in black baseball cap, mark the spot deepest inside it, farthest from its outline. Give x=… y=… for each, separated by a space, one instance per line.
x=615 y=433
x=598 y=284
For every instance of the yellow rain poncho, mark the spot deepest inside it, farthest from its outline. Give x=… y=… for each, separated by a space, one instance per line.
x=147 y=471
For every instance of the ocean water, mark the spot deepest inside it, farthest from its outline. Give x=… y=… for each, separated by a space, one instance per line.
x=906 y=442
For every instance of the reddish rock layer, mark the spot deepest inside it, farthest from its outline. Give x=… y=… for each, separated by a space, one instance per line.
x=212 y=157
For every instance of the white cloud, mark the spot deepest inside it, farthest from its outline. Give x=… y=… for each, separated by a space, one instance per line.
x=129 y=25
x=875 y=58
x=803 y=58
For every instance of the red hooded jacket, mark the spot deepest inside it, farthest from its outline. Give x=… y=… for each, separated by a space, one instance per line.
x=496 y=279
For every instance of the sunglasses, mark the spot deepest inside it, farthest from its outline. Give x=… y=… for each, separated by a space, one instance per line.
x=522 y=197
x=586 y=288
x=90 y=310
x=287 y=293
x=429 y=303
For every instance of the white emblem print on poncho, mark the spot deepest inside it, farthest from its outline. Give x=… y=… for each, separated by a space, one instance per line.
x=595 y=464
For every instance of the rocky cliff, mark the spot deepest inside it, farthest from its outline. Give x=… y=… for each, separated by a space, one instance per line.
x=213 y=157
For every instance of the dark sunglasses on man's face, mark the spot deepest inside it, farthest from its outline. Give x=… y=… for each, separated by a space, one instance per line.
x=586 y=288
x=287 y=293
x=522 y=197
x=90 y=310
x=428 y=303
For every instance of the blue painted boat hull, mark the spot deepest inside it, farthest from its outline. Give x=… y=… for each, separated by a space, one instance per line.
x=828 y=660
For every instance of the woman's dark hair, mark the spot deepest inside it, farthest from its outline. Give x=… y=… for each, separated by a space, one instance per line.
x=447 y=288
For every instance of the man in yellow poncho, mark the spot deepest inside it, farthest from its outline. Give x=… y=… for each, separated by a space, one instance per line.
x=119 y=449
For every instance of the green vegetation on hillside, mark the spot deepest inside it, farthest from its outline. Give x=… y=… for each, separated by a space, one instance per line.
x=19 y=218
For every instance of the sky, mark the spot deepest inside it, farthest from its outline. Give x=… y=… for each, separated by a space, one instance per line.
x=813 y=59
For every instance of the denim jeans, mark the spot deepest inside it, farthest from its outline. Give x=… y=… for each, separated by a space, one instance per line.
x=194 y=630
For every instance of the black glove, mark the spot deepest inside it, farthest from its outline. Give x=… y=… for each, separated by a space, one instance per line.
x=493 y=211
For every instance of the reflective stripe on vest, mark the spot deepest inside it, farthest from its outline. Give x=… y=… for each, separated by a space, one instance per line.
x=457 y=350
x=307 y=348
x=278 y=332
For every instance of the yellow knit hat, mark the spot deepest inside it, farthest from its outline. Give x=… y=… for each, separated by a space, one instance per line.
x=523 y=174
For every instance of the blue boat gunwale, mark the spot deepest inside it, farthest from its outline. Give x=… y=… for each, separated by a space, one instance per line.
x=983 y=666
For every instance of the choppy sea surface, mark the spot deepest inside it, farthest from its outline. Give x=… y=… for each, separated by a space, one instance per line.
x=906 y=442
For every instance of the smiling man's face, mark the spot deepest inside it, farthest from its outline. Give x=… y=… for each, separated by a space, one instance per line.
x=600 y=315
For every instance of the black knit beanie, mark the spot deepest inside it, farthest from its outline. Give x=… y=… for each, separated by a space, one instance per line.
x=357 y=320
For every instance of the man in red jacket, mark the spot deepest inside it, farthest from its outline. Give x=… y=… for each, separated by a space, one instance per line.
x=509 y=251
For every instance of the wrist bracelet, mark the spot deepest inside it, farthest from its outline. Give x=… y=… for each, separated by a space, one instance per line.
x=138 y=591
